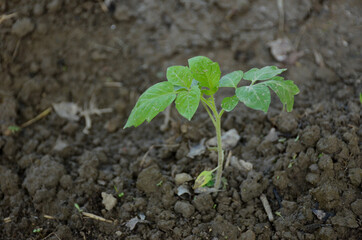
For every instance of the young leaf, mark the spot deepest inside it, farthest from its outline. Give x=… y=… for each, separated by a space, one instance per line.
x=285 y=90
x=264 y=73
x=229 y=103
x=187 y=102
x=179 y=76
x=203 y=179
x=231 y=79
x=256 y=96
x=206 y=72
x=153 y=101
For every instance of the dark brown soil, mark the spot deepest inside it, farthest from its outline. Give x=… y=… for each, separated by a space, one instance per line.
x=309 y=169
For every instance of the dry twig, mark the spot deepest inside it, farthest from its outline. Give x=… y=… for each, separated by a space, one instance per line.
x=37 y=118
x=7 y=16
x=96 y=217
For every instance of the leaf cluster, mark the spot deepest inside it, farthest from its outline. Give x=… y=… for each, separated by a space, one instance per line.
x=187 y=86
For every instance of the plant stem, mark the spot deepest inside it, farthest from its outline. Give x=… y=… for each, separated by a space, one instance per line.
x=220 y=153
x=210 y=115
x=216 y=120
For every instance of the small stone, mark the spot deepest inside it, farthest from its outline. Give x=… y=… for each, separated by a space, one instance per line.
x=70 y=128
x=327 y=196
x=294 y=147
x=140 y=203
x=166 y=225
x=22 y=27
x=357 y=207
x=326 y=233
x=310 y=136
x=312 y=178
x=286 y=122
x=326 y=75
x=113 y=124
x=345 y=218
x=325 y=162
x=280 y=179
x=45 y=174
x=272 y=135
x=328 y=144
x=108 y=201
x=241 y=164
x=181 y=178
x=38 y=9
x=66 y=181
x=98 y=55
x=122 y=13
x=64 y=232
x=229 y=139
x=34 y=67
x=253 y=186
x=355 y=175
x=248 y=235
x=184 y=208
x=314 y=168
x=148 y=179
x=203 y=202
x=8 y=181
x=54 y=5
x=289 y=207
x=221 y=227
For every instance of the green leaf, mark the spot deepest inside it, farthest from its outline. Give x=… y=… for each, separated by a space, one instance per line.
x=206 y=72
x=285 y=90
x=277 y=78
x=264 y=73
x=179 y=76
x=256 y=96
x=187 y=102
x=231 y=79
x=229 y=103
x=204 y=178
x=153 y=101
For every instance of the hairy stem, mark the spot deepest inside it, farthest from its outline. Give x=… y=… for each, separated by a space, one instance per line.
x=210 y=115
x=220 y=153
x=211 y=109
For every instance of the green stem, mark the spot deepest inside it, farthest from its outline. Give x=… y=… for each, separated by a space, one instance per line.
x=208 y=111
x=220 y=153
x=210 y=106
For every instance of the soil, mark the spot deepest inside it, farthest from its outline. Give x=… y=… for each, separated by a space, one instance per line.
x=307 y=163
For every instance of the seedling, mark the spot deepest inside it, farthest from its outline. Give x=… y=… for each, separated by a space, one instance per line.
x=77 y=207
x=37 y=230
x=296 y=139
x=159 y=184
x=204 y=178
x=119 y=194
x=279 y=214
x=14 y=129
x=188 y=86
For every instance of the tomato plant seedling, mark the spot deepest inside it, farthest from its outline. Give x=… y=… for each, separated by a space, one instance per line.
x=188 y=86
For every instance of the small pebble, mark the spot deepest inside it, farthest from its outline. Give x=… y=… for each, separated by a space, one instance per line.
x=22 y=27
x=184 y=208
x=108 y=201
x=182 y=178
